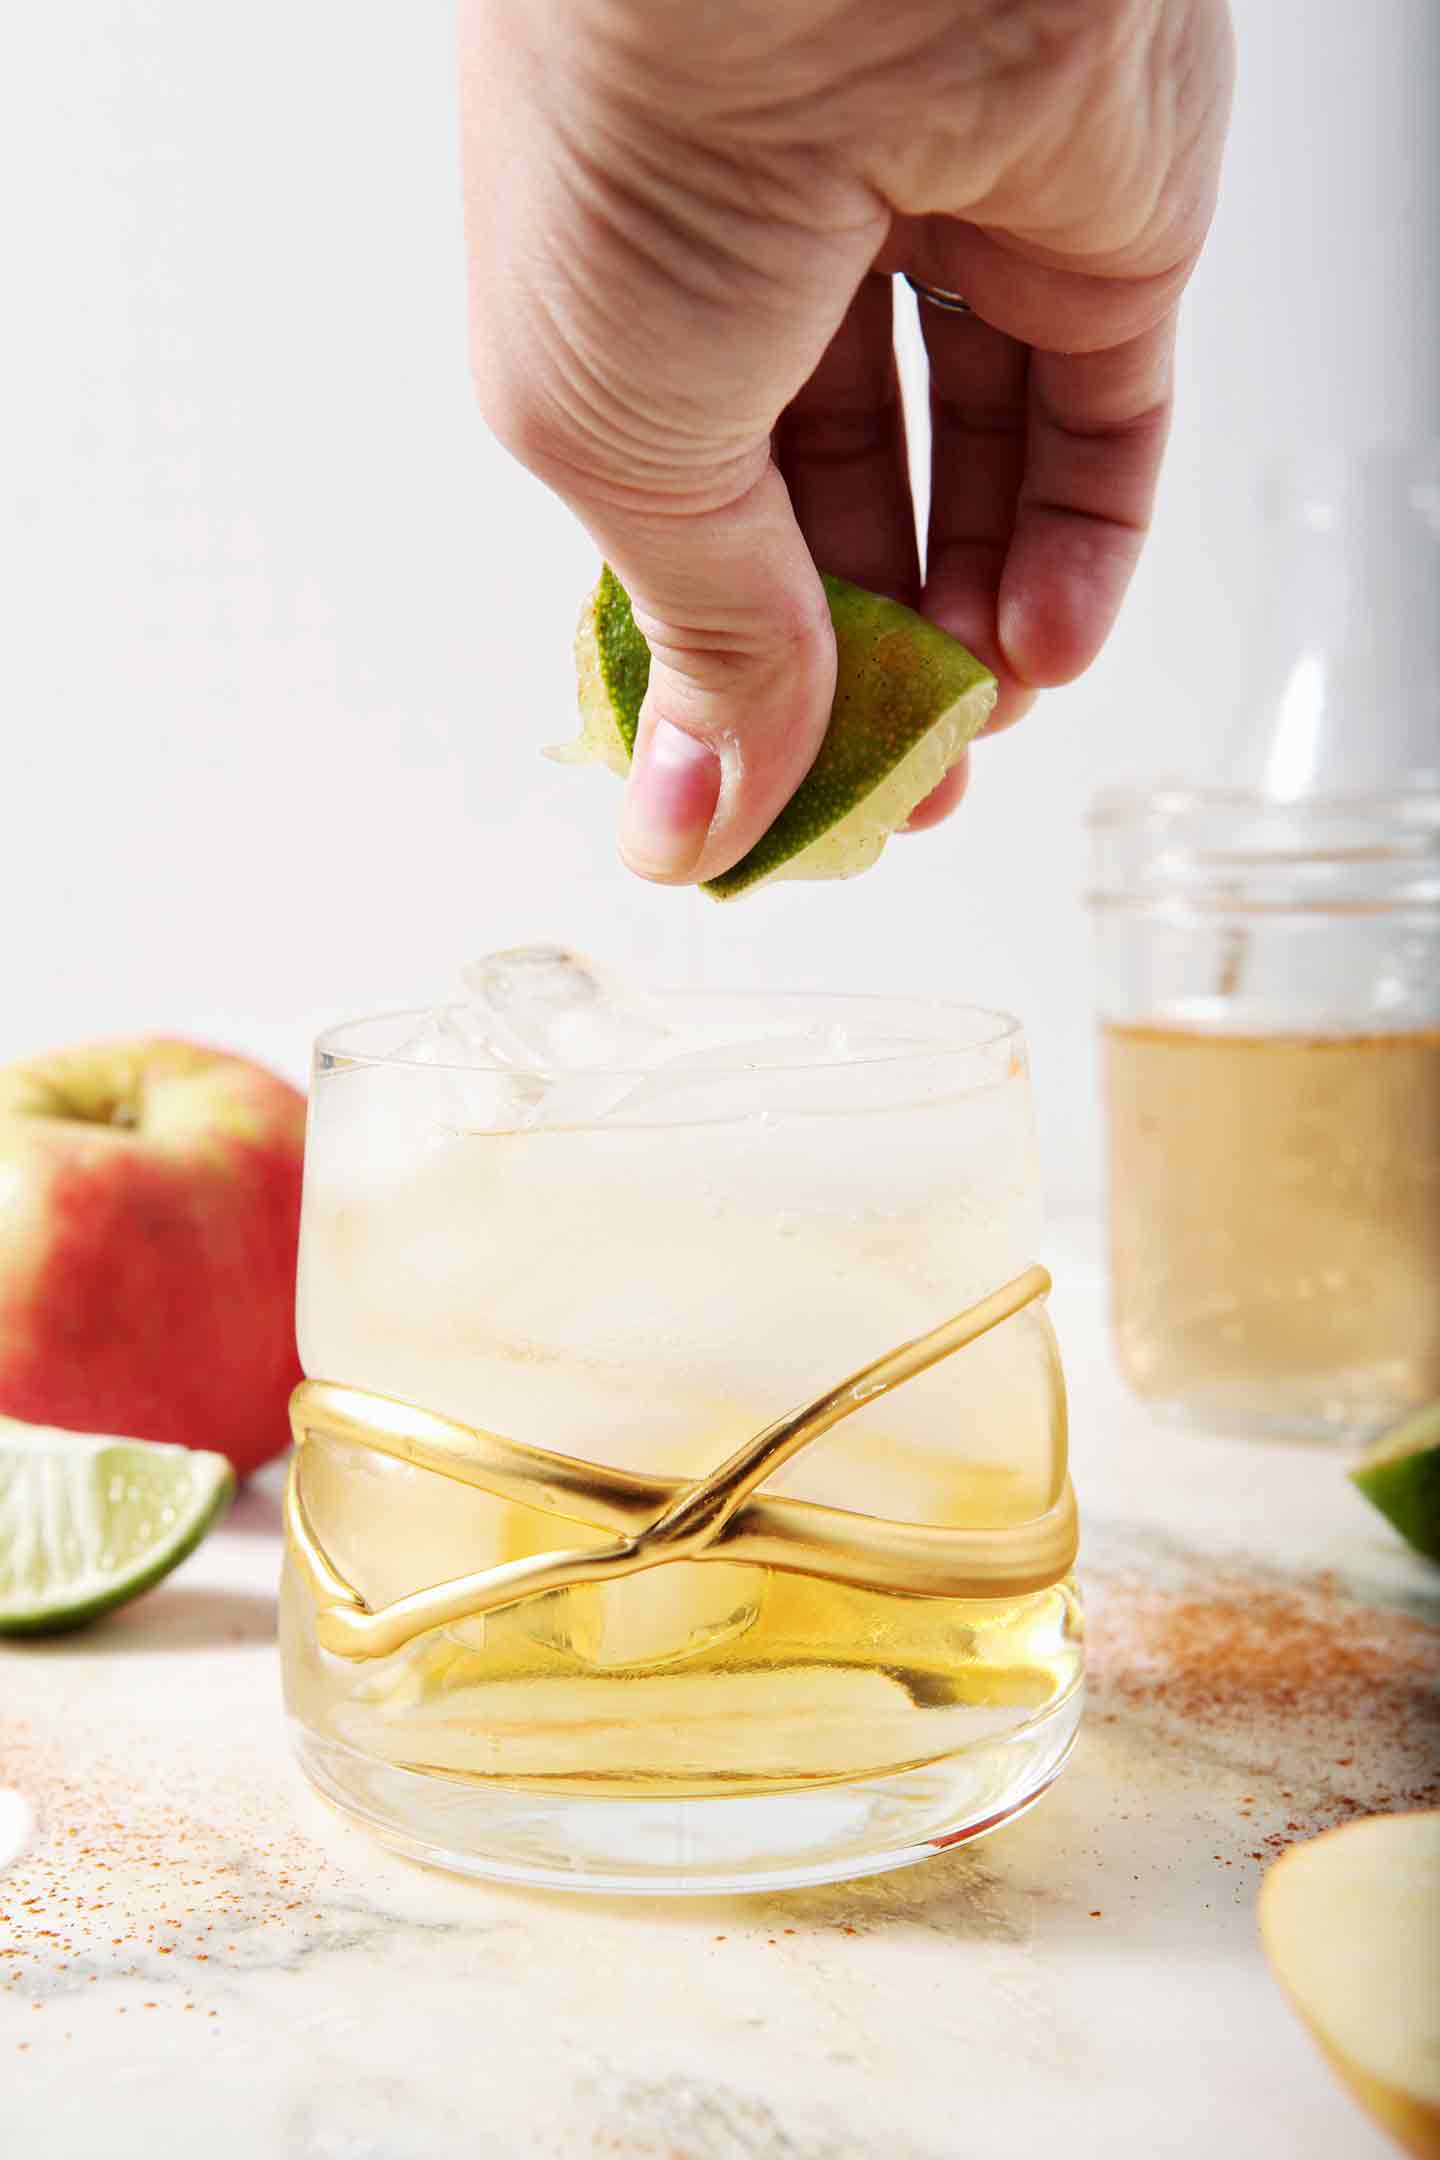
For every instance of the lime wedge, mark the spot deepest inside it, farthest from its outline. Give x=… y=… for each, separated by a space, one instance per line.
x=88 y=1521
x=908 y=697
x=1400 y=1474
x=612 y=669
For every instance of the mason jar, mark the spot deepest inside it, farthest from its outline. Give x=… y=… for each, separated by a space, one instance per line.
x=1269 y=984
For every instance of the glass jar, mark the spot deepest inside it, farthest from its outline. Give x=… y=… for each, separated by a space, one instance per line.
x=1270 y=1006
x=1341 y=685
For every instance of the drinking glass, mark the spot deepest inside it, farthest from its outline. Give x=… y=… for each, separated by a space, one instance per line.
x=680 y=1496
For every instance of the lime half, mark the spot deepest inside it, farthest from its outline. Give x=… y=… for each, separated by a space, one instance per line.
x=88 y=1521
x=908 y=697
x=1400 y=1474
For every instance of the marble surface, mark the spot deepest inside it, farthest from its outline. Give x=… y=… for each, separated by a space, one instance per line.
x=196 y=1956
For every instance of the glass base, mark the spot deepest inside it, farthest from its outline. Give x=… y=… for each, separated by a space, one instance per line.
x=687 y=1848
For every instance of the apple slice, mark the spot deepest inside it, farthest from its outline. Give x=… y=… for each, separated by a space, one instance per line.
x=1351 y=1925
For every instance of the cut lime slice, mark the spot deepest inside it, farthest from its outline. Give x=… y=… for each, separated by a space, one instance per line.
x=88 y=1521
x=908 y=697
x=1400 y=1474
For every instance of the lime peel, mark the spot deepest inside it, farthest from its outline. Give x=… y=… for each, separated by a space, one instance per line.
x=89 y=1520
x=1400 y=1474
x=908 y=697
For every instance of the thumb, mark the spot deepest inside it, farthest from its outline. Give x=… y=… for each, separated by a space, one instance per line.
x=642 y=316
x=742 y=674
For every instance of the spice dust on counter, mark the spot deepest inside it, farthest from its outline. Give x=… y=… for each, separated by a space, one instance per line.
x=124 y=1879
x=1318 y=1706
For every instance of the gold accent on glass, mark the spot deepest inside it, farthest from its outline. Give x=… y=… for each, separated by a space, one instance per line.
x=721 y=1516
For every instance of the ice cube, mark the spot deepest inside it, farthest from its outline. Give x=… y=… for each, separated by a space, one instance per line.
x=542 y=1008
x=722 y=1068
x=577 y=1046
x=450 y=1035
x=706 y=1061
x=567 y=1035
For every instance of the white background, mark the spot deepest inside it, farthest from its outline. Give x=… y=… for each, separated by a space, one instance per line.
x=283 y=633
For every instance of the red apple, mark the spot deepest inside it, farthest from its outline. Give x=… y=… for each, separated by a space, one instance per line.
x=149 y=1209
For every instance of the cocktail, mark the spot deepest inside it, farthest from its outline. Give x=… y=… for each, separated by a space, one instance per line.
x=681 y=1496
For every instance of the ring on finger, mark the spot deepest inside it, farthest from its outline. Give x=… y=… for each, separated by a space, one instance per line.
x=938 y=296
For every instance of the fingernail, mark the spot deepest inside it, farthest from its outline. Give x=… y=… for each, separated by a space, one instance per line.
x=673 y=788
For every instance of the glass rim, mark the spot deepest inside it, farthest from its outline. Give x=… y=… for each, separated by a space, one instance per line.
x=1000 y=1028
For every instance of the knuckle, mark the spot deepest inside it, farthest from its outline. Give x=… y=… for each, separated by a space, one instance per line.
x=517 y=418
x=769 y=630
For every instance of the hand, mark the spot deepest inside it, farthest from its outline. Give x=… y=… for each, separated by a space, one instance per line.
x=683 y=224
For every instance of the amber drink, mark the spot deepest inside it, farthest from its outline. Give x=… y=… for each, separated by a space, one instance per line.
x=1271 y=1054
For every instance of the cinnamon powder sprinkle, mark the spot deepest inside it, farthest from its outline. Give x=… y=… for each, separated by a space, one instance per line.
x=1303 y=1681
x=128 y=1880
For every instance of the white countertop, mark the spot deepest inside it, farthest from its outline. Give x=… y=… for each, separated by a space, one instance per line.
x=197 y=1957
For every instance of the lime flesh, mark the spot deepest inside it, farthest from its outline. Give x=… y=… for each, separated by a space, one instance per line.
x=89 y=1520
x=908 y=697
x=1400 y=1475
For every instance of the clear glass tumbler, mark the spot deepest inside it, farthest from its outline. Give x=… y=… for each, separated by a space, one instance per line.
x=680 y=1499
x=1270 y=995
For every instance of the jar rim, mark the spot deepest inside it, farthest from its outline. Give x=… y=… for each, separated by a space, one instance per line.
x=1418 y=805
x=1241 y=851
